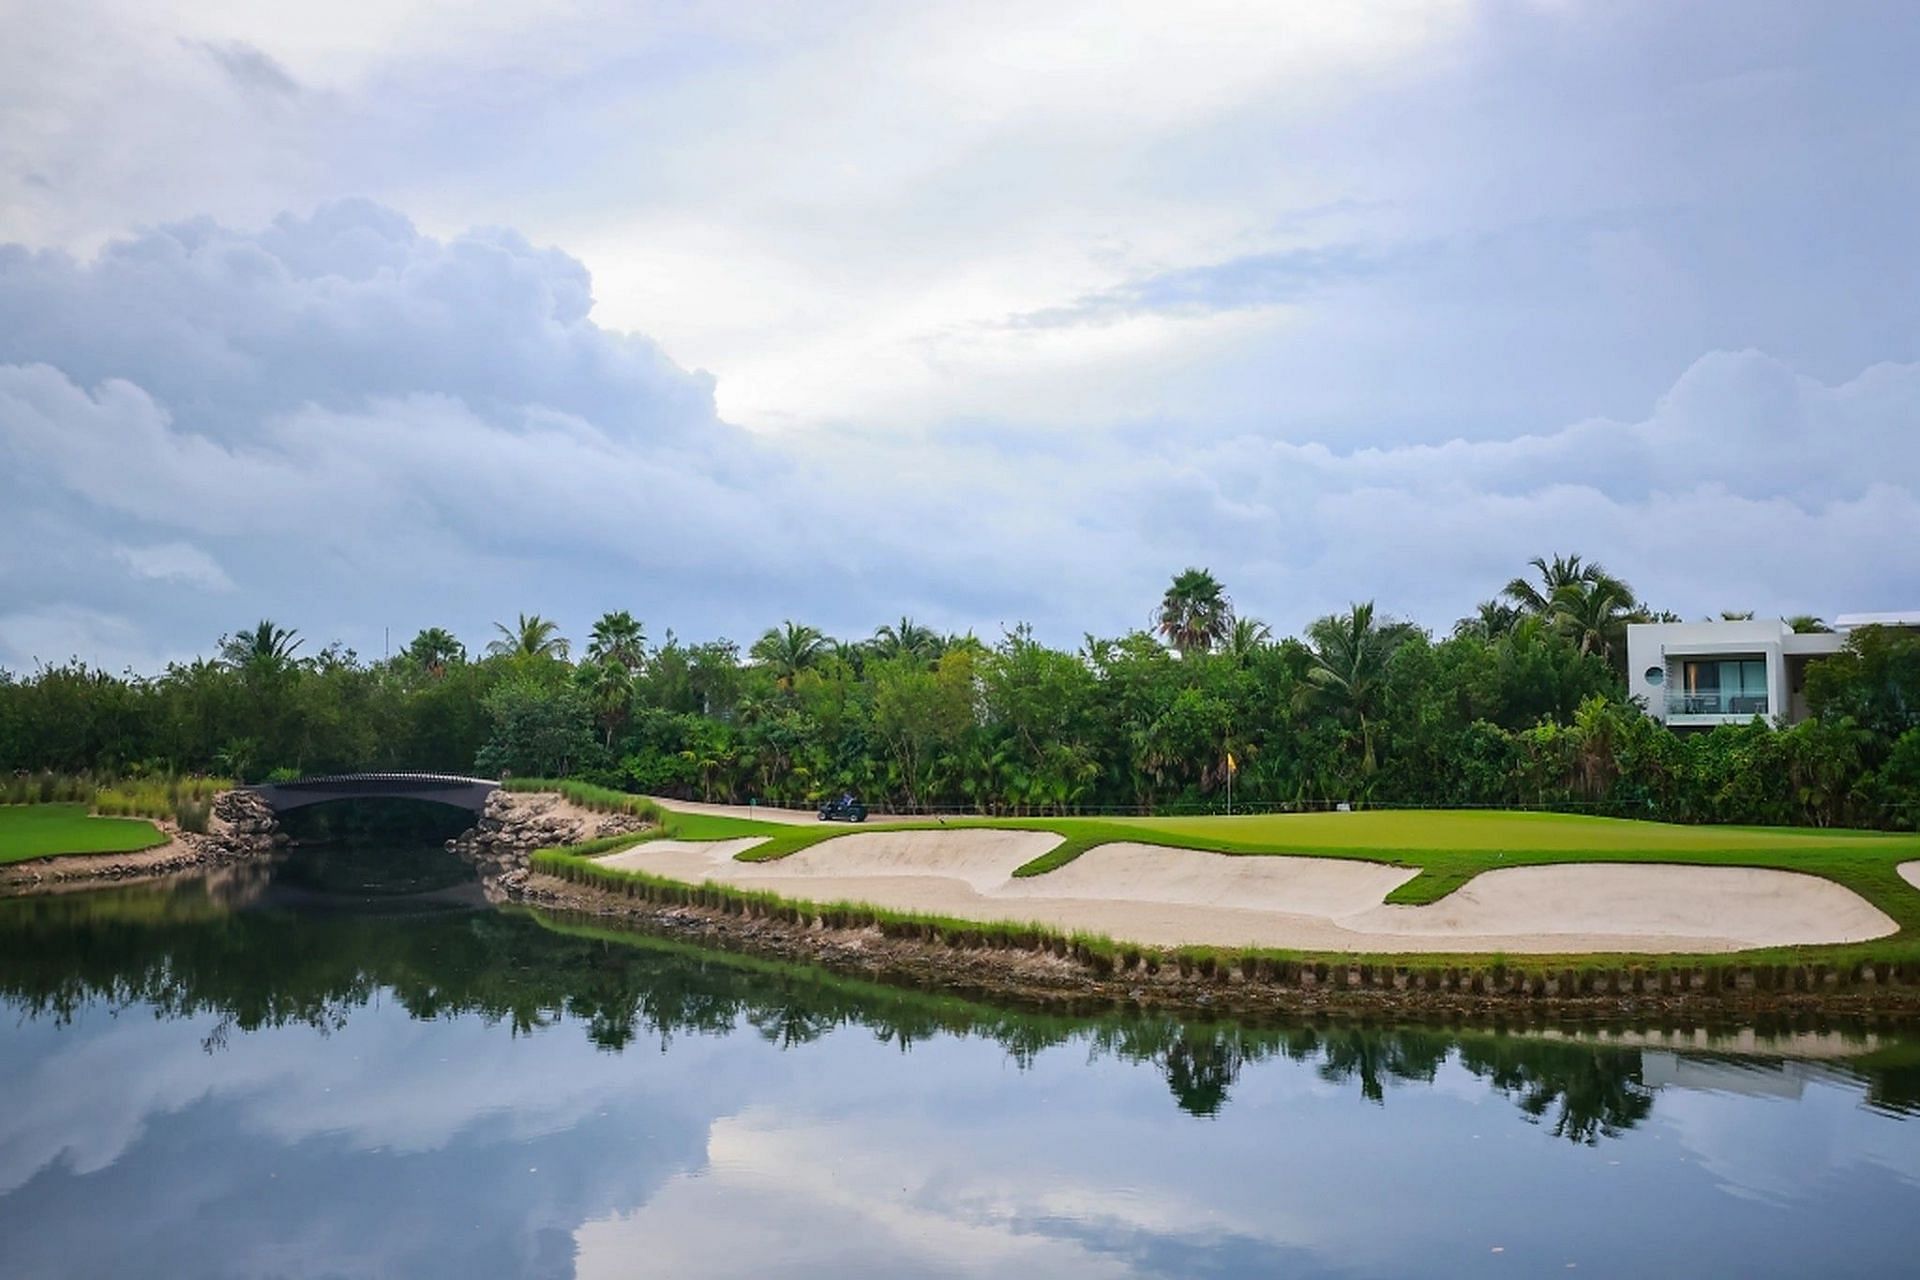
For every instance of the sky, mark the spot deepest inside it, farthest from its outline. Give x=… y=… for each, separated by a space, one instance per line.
x=394 y=314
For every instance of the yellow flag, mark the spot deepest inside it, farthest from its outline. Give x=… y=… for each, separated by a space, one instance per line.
x=1233 y=766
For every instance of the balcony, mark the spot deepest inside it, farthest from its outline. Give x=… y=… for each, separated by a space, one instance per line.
x=1711 y=702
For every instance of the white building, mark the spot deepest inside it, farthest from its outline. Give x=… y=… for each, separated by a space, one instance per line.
x=1698 y=674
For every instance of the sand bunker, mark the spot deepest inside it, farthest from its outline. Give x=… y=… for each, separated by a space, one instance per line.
x=1171 y=897
x=1910 y=872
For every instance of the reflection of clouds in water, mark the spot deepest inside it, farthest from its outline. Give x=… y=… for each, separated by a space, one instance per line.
x=382 y=1083
x=1821 y=1132
x=450 y=1147
x=805 y=1193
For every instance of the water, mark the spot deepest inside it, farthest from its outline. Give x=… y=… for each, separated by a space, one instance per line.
x=311 y=1074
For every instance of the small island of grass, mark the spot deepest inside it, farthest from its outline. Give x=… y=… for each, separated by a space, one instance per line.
x=54 y=830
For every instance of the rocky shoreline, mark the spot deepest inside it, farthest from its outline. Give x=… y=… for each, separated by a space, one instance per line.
x=514 y=824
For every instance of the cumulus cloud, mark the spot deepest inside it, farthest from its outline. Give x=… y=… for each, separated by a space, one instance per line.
x=361 y=429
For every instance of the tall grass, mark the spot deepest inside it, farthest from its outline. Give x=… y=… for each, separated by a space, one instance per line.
x=185 y=799
x=592 y=798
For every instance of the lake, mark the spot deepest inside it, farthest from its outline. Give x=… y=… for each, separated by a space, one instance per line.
x=349 y=1065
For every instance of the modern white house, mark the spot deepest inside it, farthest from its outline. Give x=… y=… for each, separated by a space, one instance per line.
x=1699 y=674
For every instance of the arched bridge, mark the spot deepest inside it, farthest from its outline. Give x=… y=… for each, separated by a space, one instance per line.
x=438 y=788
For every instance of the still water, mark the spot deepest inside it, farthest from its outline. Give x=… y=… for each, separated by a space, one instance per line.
x=350 y=1067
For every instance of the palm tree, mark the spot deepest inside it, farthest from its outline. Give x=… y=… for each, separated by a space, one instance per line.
x=1248 y=637
x=265 y=647
x=1349 y=672
x=1735 y=615
x=608 y=684
x=789 y=649
x=531 y=637
x=1195 y=614
x=966 y=642
x=1490 y=620
x=1593 y=613
x=1559 y=572
x=908 y=638
x=619 y=637
x=434 y=650
x=1806 y=624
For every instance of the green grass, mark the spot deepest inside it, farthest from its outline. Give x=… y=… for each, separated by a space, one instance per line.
x=1447 y=847
x=48 y=830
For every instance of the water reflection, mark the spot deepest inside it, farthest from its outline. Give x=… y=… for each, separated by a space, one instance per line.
x=271 y=1091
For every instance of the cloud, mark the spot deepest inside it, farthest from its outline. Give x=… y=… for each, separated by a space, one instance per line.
x=250 y=68
x=1255 y=280
x=360 y=429
x=176 y=562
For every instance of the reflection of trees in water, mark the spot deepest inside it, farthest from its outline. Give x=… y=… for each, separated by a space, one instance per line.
x=1590 y=1093
x=264 y=969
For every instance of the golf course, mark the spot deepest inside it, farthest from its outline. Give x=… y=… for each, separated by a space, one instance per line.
x=1379 y=882
x=49 y=830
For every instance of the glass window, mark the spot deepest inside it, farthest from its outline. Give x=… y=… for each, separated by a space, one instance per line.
x=1722 y=686
x=1656 y=676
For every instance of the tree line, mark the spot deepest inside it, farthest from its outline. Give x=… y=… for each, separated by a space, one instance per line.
x=1522 y=702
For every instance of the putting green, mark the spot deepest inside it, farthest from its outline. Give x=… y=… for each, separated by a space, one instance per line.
x=48 y=830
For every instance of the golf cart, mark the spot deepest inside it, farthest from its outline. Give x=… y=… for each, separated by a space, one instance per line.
x=845 y=808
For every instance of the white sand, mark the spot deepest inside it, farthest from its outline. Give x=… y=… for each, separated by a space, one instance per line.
x=1910 y=872
x=1169 y=897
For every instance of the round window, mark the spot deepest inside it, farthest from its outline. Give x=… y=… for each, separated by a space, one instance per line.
x=1656 y=676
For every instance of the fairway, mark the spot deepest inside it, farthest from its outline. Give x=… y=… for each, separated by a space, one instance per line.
x=44 y=830
x=1386 y=831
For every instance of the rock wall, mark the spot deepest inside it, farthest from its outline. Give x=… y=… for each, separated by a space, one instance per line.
x=515 y=823
x=243 y=826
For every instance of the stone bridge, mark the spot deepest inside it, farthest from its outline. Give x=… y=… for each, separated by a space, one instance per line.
x=438 y=788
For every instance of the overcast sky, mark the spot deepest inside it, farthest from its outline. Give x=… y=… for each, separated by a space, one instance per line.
x=395 y=313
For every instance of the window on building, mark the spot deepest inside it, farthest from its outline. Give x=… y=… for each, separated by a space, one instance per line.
x=1724 y=686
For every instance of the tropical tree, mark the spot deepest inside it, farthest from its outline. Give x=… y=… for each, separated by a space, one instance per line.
x=1195 y=614
x=434 y=650
x=1490 y=620
x=1593 y=613
x=1348 y=675
x=620 y=638
x=532 y=636
x=1559 y=572
x=1247 y=638
x=263 y=647
x=787 y=650
x=608 y=685
x=1806 y=624
x=906 y=639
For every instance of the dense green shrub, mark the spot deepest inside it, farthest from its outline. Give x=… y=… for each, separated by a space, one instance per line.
x=1515 y=714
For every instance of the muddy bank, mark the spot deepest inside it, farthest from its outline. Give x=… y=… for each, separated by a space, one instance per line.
x=1059 y=973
